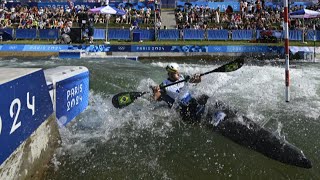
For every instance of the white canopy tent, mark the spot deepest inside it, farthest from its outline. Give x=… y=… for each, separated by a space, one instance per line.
x=107 y=10
x=304 y=14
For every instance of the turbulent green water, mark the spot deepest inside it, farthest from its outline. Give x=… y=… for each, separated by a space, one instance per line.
x=148 y=141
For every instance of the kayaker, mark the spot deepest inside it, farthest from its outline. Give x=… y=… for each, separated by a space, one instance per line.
x=191 y=109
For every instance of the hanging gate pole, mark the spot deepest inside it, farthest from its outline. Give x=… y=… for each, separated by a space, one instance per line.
x=286 y=48
x=314 y=43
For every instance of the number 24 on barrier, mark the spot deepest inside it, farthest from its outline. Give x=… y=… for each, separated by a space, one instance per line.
x=16 y=102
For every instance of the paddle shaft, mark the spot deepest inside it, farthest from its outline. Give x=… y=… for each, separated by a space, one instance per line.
x=184 y=80
x=202 y=74
x=124 y=99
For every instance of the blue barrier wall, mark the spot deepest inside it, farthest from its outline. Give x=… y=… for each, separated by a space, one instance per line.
x=72 y=97
x=8 y=30
x=20 y=99
x=99 y=34
x=218 y=35
x=193 y=34
x=162 y=34
x=145 y=34
x=310 y=35
x=118 y=34
x=6 y=34
x=168 y=34
x=295 y=35
x=275 y=33
x=48 y=34
x=242 y=34
x=26 y=33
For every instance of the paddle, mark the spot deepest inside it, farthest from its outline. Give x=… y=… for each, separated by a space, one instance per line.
x=124 y=99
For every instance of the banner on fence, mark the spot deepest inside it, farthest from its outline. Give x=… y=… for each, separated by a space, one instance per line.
x=141 y=48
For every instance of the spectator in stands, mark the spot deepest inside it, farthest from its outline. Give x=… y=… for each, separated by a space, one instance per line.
x=158 y=15
x=128 y=15
x=186 y=25
x=254 y=14
x=249 y=9
x=65 y=35
x=22 y=24
x=101 y=19
x=82 y=18
x=147 y=16
x=135 y=25
x=118 y=19
x=66 y=29
x=41 y=24
x=1 y=27
x=179 y=16
x=158 y=25
x=35 y=23
x=96 y=18
x=123 y=18
x=90 y=32
x=258 y=7
x=141 y=14
x=217 y=13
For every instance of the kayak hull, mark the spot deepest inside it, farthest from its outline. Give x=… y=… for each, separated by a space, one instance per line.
x=244 y=131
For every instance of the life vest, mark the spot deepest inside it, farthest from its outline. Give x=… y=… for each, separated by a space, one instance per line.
x=175 y=92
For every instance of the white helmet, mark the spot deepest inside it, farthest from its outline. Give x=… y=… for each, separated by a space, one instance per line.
x=172 y=67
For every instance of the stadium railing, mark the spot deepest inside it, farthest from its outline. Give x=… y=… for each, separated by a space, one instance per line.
x=310 y=33
x=119 y=34
x=295 y=35
x=145 y=34
x=49 y=34
x=26 y=33
x=242 y=34
x=193 y=34
x=99 y=34
x=217 y=35
x=168 y=34
x=164 y=34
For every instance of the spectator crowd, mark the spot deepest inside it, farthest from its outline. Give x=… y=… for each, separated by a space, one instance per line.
x=253 y=14
x=25 y=17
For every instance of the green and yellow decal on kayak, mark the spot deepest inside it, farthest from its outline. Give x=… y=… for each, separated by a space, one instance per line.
x=231 y=67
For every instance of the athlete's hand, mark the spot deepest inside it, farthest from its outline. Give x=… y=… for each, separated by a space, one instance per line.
x=196 y=78
x=156 y=92
x=155 y=88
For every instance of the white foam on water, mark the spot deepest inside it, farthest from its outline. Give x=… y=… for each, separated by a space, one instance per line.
x=14 y=62
x=260 y=90
x=256 y=91
x=100 y=121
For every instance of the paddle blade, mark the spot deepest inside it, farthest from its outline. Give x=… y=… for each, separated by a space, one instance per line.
x=231 y=66
x=124 y=99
